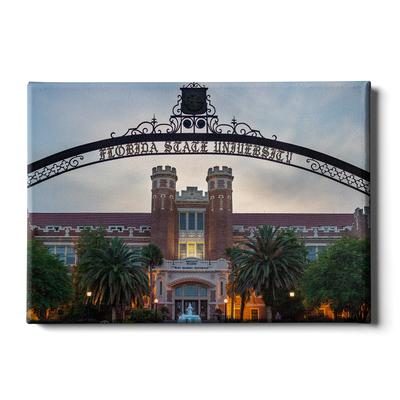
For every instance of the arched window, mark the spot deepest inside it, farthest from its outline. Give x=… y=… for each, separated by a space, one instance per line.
x=190 y=291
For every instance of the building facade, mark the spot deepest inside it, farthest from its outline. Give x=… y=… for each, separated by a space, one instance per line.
x=193 y=229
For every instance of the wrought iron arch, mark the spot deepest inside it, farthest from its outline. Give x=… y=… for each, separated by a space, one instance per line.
x=194 y=128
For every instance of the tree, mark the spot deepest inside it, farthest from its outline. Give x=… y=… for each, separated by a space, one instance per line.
x=49 y=280
x=340 y=278
x=115 y=277
x=267 y=260
x=89 y=240
x=151 y=257
x=282 y=302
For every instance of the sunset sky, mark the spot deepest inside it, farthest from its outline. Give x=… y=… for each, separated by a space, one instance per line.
x=329 y=117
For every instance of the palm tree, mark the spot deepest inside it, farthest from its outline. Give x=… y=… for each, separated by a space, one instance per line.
x=115 y=277
x=151 y=257
x=268 y=259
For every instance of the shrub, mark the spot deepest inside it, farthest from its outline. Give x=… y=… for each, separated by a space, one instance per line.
x=59 y=321
x=143 y=315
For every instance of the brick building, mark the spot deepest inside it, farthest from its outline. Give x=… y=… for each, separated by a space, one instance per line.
x=193 y=229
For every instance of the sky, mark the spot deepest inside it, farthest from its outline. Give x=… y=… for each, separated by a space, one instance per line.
x=327 y=117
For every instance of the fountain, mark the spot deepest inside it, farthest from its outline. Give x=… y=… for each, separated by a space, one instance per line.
x=188 y=317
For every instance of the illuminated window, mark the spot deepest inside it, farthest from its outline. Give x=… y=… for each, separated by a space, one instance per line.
x=191 y=250
x=200 y=250
x=182 y=250
x=254 y=314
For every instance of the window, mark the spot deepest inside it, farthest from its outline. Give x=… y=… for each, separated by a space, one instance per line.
x=200 y=221
x=191 y=221
x=254 y=314
x=60 y=251
x=191 y=250
x=191 y=291
x=221 y=288
x=237 y=312
x=160 y=289
x=182 y=250
x=182 y=221
x=312 y=253
x=191 y=234
x=200 y=250
x=70 y=255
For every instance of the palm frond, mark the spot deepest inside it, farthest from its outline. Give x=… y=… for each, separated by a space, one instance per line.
x=267 y=258
x=114 y=275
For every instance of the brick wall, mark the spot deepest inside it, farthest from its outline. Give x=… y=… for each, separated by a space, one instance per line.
x=219 y=213
x=163 y=210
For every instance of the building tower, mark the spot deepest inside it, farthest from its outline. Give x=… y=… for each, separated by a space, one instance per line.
x=220 y=225
x=163 y=210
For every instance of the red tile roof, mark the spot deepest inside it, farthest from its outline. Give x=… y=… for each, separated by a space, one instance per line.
x=285 y=220
x=137 y=219
x=90 y=219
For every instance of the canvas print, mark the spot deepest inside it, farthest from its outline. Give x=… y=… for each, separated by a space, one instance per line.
x=205 y=203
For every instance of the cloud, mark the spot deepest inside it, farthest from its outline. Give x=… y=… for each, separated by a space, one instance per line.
x=326 y=118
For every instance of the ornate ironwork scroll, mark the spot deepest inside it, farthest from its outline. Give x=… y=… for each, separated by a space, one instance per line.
x=193 y=113
x=340 y=175
x=58 y=168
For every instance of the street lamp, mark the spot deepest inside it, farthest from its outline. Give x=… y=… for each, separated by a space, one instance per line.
x=155 y=315
x=88 y=294
x=226 y=302
x=291 y=294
